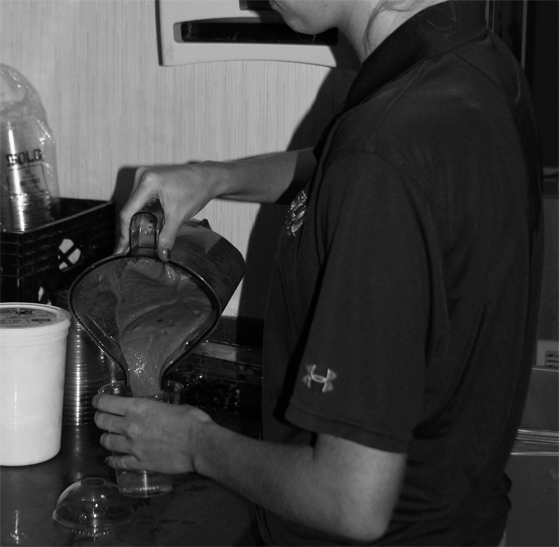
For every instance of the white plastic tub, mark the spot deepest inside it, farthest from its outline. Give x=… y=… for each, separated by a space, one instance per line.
x=32 y=363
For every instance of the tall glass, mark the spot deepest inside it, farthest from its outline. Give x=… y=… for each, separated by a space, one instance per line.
x=144 y=484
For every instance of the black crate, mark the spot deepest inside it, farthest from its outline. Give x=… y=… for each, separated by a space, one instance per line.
x=38 y=263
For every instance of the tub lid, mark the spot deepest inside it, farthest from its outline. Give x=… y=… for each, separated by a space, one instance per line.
x=33 y=319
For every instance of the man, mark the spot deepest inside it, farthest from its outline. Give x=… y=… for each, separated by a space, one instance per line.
x=401 y=321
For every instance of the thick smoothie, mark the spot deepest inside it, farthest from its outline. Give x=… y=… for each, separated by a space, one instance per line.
x=159 y=309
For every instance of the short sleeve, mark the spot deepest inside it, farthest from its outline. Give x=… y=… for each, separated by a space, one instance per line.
x=362 y=373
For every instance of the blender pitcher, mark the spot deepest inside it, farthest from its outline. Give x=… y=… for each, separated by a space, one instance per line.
x=146 y=314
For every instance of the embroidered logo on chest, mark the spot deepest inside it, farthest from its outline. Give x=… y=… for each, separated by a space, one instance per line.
x=296 y=214
x=326 y=381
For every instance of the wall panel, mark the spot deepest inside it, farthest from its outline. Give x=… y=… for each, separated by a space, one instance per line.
x=112 y=107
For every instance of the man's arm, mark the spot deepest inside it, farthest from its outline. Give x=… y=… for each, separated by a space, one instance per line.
x=337 y=486
x=183 y=190
x=271 y=178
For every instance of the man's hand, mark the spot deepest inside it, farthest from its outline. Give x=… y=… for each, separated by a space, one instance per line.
x=181 y=191
x=153 y=436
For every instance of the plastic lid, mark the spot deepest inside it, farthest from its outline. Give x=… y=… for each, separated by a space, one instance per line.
x=93 y=507
x=39 y=318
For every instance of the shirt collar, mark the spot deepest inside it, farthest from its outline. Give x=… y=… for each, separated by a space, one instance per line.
x=430 y=32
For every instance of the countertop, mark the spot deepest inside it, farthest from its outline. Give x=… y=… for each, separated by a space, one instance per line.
x=198 y=511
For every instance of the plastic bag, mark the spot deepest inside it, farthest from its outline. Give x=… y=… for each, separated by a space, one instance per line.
x=29 y=194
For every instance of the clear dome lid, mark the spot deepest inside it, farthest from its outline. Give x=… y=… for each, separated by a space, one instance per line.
x=93 y=507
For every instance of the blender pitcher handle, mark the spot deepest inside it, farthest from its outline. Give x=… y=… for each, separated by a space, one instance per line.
x=143 y=234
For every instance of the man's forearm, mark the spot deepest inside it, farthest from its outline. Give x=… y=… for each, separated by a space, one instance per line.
x=277 y=477
x=297 y=483
x=271 y=178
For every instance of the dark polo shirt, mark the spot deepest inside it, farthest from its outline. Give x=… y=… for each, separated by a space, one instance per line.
x=402 y=312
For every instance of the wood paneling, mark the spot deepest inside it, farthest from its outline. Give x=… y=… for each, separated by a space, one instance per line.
x=111 y=108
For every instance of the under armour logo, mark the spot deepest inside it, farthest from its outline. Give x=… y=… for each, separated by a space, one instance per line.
x=327 y=380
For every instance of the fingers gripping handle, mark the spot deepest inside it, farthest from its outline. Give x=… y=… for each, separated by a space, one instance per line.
x=144 y=232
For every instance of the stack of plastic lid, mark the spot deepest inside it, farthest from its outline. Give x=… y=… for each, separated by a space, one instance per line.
x=87 y=369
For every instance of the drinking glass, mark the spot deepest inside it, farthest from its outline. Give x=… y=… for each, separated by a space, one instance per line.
x=144 y=484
